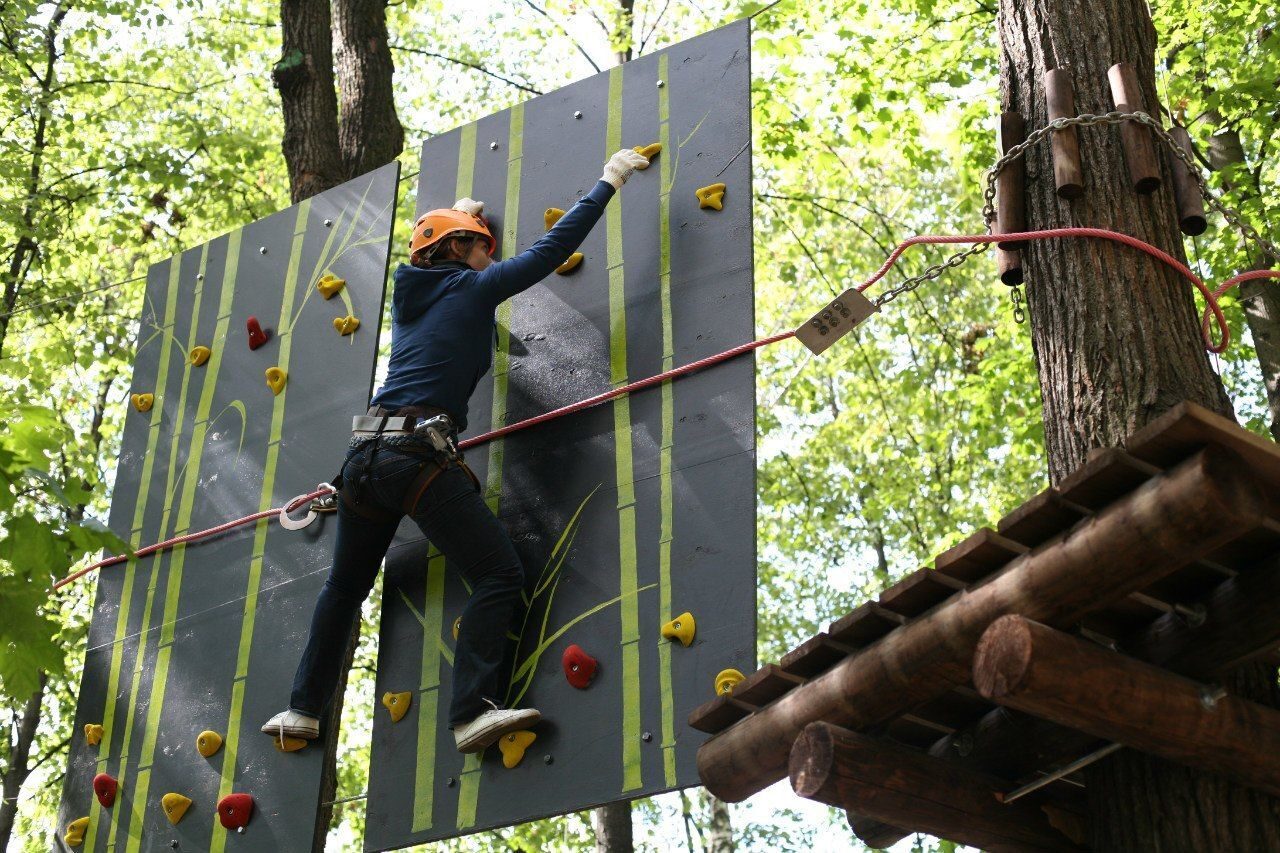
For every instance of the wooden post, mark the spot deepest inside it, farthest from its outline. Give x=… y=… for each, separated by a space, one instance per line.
x=1011 y=183
x=1139 y=150
x=1068 y=177
x=1186 y=191
x=1025 y=665
x=899 y=786
x=1173 y=519
x=1010 y=266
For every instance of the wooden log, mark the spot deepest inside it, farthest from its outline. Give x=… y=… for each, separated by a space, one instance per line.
x=1186 y=190
x=1009 y=265
x=1139 y=149
x=1011 y=183
x=1029 y=666
x=1068 y=176
x=900 y=787
x=1166 y=523
x=873 y=833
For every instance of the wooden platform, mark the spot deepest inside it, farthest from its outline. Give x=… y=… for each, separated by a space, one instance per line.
x=1205 y=495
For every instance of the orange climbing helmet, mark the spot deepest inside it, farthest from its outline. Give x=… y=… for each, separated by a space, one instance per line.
x=434 y=225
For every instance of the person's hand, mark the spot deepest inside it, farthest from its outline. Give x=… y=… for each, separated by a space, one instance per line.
x=469 y=205
x=621 y=165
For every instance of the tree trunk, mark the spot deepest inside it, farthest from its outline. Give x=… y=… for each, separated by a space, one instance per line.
x=369 y=132
x=613 y=827
x=304 y=77
x=1117 y=342
x=719 y=826
x=16 y=770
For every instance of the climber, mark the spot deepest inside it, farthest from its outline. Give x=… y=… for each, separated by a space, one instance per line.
x=402 y=459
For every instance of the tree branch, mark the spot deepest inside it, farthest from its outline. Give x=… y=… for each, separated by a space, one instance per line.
x=467 y=64
x=560 y=27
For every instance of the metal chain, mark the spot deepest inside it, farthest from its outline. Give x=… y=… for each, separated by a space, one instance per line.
x=1232 y=217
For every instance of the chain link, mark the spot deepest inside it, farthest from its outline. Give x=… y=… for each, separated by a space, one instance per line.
x=1232 y=217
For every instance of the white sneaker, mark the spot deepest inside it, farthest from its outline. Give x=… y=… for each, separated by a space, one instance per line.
x=292 y=724
x=487 y=728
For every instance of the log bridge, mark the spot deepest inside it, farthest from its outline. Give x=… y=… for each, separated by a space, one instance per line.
x=1101 y=614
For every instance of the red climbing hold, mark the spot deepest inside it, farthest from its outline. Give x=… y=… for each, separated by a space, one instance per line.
x=104 y=788
x=579 y=667
x=257 y=337
x=234 y=810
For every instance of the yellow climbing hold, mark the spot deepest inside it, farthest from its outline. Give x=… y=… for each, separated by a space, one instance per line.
x=208 y=743
x=571 y=264
x=513 y=746
x=346 y=325
x=680 y=628
x=552 y=216
x=648 y=152
x=329 y=284
x=711 y=197
x=143 y=402
x=288 y=744
x=75 y=832
x=93 y=733
x=199 y=355
x=457 y=625
x=726 y=679
x=276 y=379
x=397 y=704
x=175 y=806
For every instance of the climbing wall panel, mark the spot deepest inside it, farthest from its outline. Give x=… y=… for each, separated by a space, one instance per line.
x=207 y=637
x=625 y=515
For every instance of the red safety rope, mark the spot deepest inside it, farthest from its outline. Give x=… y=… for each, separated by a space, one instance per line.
x=1212 y=312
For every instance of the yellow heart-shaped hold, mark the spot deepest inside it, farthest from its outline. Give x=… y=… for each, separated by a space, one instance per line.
x=329 y=284
x=397 y=704
x=711 y=197
x=571 y=264
x=552 y=216
x=680 y=628
x=75 y=832
x=726 y=679
x=199 y=355
x=276 y=379
x=208 y=743
x=288 y=744
x=513 y=746
x=143 y=402
x=457 y=625
x=346 y=325
x=93 y=733
x=175 y=806
x=648 y=152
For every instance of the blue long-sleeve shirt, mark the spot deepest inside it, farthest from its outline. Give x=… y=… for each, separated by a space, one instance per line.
x=443 y=321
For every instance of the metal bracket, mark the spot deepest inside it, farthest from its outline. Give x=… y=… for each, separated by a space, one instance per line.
x=835 y=320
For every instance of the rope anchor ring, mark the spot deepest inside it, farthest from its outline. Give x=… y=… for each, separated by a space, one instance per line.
x=290 y=523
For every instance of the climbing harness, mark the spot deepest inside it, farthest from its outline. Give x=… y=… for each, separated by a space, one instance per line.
x=823 y=329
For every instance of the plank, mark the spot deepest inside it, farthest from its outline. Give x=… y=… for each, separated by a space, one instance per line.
x=1108 y=474
x=719 y=714
x=814 y=655
x=1041 y=518
x=978 y=556
x=919 y=591
x=864 y=625
x=765 y=685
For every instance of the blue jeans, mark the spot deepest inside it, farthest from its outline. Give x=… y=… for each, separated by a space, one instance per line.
x=452 y=515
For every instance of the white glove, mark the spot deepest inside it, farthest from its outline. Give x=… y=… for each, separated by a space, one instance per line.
x=469 y=205
x=620 y=167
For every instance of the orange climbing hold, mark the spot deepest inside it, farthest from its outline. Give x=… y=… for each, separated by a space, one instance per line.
x=234 y=810
x=346 y=325
x=648 y=152
x=105 y=788
x=208 y=743
x=288 y=744
x=513 y=746
x=397 y=704
x=93 y=733
x=75 y=832
x=276 y=378
x=552 y=216
x=726 y=679
x=199 y=355
x=143 y=402
x=711 y=197
x=571 y=264
x=680 y=628
x=175 y=806
x=329 y=284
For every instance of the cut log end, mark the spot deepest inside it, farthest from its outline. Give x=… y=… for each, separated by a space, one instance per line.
x=1070 y=191
x=1002 y=657
x=811 y=760
x=1194 y=225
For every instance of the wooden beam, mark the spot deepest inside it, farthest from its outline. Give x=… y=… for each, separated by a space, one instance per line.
x=1032 y=667
x=873 y=833
x=1169 y=521
x=900 y=787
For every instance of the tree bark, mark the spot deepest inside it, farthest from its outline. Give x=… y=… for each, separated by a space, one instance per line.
x=719 y=825
x=19 y=752
x=369 y=132
x=612 y=823
x=304 y=78
x=1117 y=343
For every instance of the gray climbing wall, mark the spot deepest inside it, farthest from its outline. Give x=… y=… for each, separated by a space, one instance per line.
x=207 y=637
x=624 y=515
